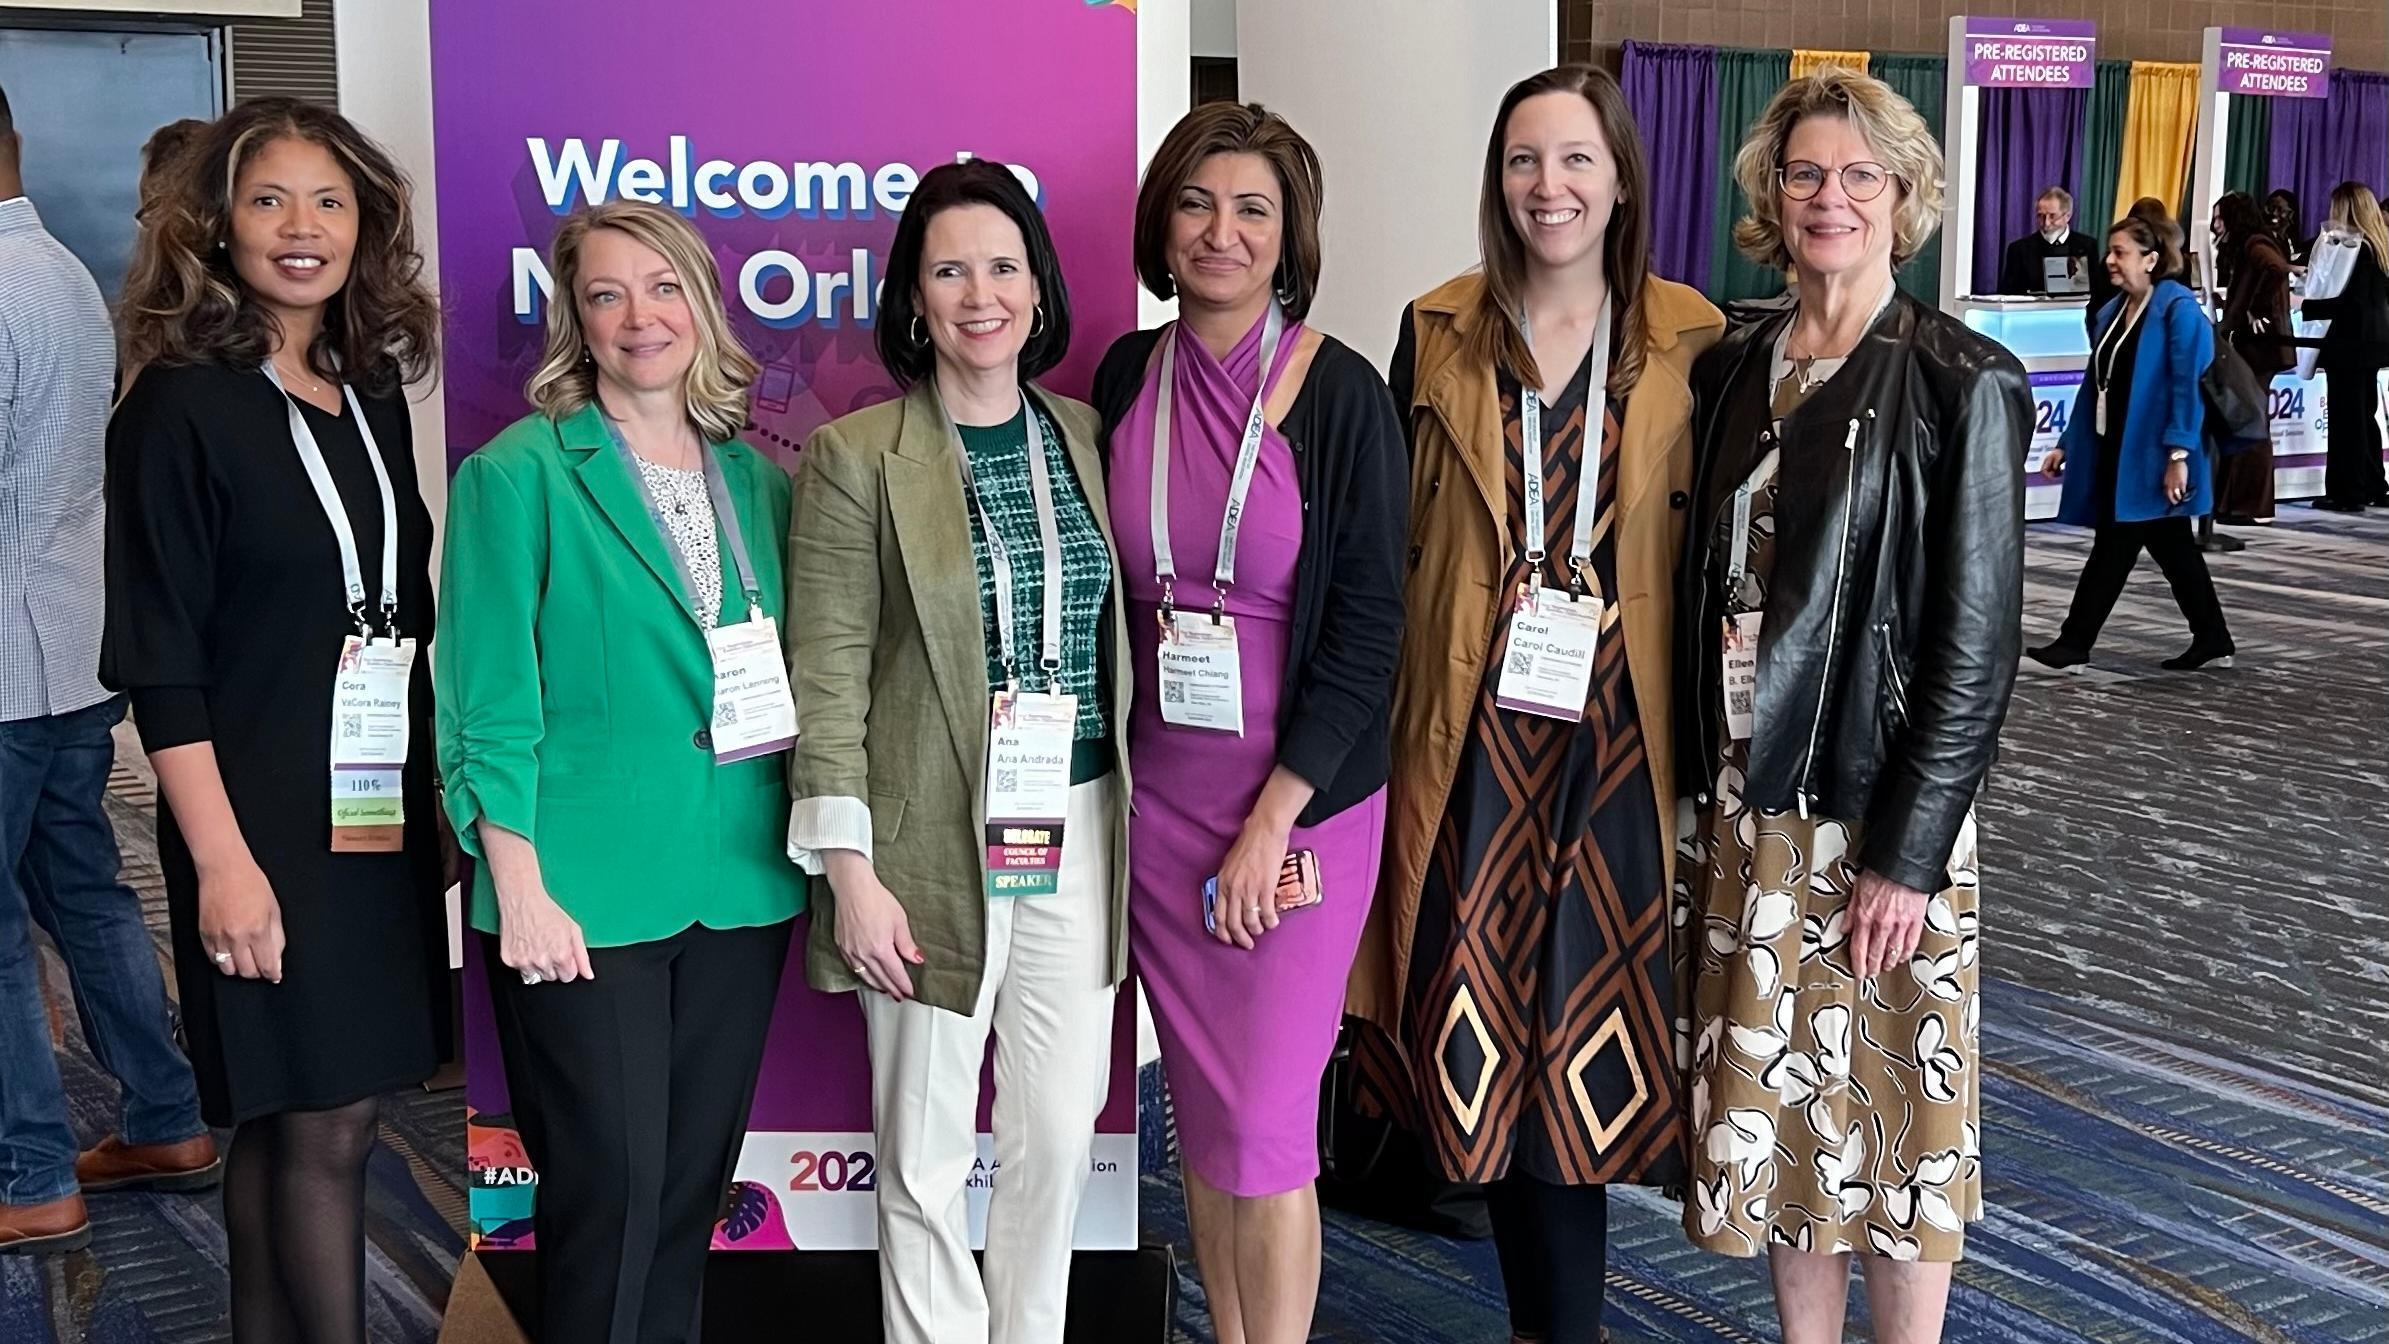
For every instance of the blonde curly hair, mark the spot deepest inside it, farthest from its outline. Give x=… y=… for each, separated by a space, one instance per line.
x=1890 y=124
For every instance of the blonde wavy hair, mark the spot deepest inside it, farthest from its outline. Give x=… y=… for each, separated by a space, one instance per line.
x=2355 y=209
x=715 y=388
x=1898 y=136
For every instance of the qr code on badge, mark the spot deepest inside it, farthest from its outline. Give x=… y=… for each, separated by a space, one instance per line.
x=1007 y=779
x=1173 y=693
x=727 y=713
x=1521 y=663
x=1737 y=703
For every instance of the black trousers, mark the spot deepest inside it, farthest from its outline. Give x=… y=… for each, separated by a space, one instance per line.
x=1553 y=1241
x=2352 y=471
x=631 y=1094
x=2115 y=550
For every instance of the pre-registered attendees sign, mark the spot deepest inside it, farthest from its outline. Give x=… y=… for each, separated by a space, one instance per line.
x=794 y=135
x=2276 y=65
x=2030 y=53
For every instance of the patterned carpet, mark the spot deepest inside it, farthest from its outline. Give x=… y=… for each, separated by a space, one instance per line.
x=2186 y=1108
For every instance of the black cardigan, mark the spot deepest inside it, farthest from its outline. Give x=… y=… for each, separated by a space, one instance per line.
x=1351 y=463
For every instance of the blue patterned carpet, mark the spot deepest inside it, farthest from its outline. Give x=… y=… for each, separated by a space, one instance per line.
x=2186 y=1104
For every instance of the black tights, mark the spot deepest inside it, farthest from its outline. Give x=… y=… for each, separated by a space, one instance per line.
x=1553 y=1241
x=294 y=1207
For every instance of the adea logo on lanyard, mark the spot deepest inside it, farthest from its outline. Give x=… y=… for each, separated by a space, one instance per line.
x=372 y=677
x=754 y=710
x=1547 y=660
x=1202 y=680
x=1029 y=732
x=1738 y=648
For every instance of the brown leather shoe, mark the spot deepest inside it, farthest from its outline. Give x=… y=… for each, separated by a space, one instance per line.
x=116 y=1165
x=44 y=1229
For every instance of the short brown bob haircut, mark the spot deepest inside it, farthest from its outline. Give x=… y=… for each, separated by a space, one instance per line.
x=1235 y=128
x=2163 y=243
x=184 y=304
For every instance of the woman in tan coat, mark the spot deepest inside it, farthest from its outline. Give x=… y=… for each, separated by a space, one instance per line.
x=1519 y=961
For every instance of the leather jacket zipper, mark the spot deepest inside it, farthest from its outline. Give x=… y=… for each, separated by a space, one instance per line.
x=1841 y=567
x=1891 y=669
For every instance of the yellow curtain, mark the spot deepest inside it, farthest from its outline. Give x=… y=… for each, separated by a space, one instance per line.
x=1806 y=63
x=2160 y=132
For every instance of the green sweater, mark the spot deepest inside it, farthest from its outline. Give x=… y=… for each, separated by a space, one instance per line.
x=574 y=690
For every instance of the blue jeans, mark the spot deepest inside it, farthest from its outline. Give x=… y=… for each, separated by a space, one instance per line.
x=58 y=865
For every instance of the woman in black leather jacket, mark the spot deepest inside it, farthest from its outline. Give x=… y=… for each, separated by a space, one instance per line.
x=1869 y=594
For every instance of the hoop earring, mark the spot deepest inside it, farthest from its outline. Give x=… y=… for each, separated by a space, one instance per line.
x=918 y=337
x=1037 y=324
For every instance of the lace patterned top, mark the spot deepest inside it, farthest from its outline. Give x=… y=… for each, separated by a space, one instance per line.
x=687 y=510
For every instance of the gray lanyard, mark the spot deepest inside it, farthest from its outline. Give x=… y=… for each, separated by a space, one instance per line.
x=1248 y=453
x=999 y=555
x=718 y=491
x=1588 y=477
x=311 y=455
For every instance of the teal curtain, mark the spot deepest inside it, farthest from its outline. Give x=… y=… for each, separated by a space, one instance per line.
x=2248 y=152
x=2095 y=206
x=1746 y=80
x=1924 y=82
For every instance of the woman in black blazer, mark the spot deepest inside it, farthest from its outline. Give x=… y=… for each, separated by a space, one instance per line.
x=2355 y=350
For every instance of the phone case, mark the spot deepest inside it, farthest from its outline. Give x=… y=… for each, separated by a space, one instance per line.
x=1298 y=887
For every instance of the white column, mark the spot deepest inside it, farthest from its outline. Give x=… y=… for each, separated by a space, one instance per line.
x=384 y=54
x=2211 y=152
x=1398 y=98
x=1963 y=131
x=1164 y=90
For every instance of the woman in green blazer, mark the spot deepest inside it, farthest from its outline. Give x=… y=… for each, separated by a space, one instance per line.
x=959 y=660
x=612 y=713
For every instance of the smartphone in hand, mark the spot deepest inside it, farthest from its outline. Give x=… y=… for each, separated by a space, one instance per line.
x=1297 y=886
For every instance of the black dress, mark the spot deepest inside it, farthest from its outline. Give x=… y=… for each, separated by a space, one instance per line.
x=1541 y=998
x=225 y=619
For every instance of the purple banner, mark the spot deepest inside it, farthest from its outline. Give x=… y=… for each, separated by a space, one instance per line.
x=2276 y=65
x=2030 y=53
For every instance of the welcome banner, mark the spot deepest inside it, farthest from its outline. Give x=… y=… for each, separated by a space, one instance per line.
x=793 y=134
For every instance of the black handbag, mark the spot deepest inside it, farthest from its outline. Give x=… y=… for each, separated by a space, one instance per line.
x=2238 y=408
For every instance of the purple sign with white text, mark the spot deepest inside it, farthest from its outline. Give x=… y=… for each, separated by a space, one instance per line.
x=2030 y=53
x=2276 y=65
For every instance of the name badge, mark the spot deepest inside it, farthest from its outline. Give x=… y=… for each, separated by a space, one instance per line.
x=1739 y=651
x=1202 y=683
x=754 y=712
x=1029 y=736
x=369 y=745
x=1547 y=662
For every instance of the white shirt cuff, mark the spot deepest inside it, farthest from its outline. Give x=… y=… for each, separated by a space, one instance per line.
x=819 y=825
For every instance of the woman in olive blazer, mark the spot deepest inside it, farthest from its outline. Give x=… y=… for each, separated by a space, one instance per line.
x=630 y=874
x=898 y=641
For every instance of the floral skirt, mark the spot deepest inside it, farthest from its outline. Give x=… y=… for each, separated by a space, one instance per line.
x=1828 y=1114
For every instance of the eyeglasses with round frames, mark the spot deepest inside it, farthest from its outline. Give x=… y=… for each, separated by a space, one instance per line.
x=1862 y=181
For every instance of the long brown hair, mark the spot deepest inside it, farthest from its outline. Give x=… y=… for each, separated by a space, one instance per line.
x=184 y=304
x=1625 y=244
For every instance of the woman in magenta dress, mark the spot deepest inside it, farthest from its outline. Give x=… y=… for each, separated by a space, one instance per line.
x=1277 y=743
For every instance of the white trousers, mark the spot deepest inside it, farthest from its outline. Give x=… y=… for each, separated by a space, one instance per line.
x=1047 y=996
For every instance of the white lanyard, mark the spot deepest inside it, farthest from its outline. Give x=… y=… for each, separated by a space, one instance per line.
x=2111 y=348
x=327 y=494
x=1248 y=453
x=1588 y=478
x=999 y=556
x=717 y=490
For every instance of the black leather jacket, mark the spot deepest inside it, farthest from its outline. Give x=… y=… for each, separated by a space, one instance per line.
x=1894 y=608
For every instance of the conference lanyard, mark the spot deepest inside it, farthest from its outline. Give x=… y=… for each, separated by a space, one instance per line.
x=2111 y=348
x=1248 y=453
x=717 y=490
x=999 y=555
x=328 y=495
x=1588 y=479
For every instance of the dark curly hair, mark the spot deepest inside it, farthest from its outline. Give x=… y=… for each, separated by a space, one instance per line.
x=184 y=304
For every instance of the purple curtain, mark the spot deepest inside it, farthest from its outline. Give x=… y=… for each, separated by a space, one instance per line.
x=1673 y=92
x=2319 y=143
x=2031 y=141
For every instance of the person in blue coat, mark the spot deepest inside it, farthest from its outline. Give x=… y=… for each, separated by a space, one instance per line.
x=2139 y=470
